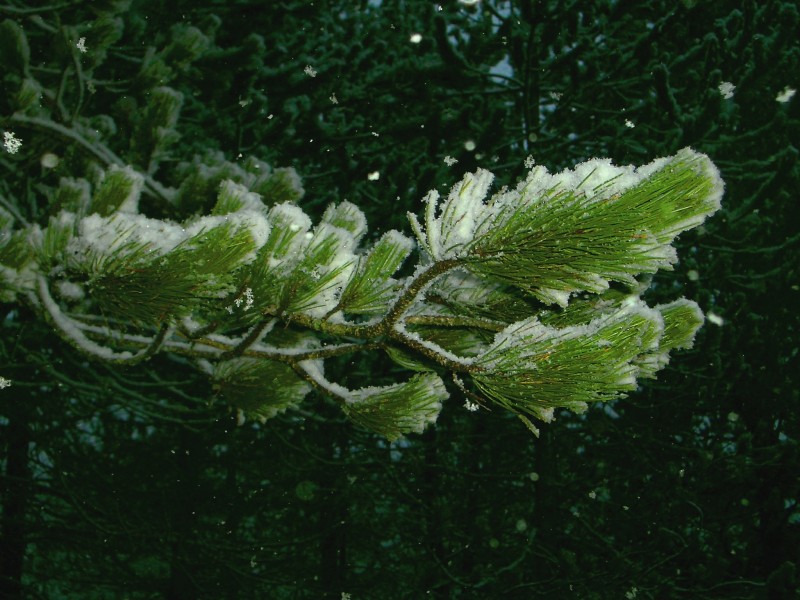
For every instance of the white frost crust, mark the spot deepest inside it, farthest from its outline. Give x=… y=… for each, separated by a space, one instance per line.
x=106 y=235
x=713 y=201
x=131 y=202
x=598 y=179
x=559 y=297
x=418 y=419
x=247 y=200
x=70 y=291
x=289 y=216
x=462 y=286
x=292 y=215
x=293 y=177
x=71 y=331
x=350 y=213
x=13 y=281
x=400 y=241
x=448 y=234
x=531 y=331
x=256 y=222
x=400 y=328
x=454 y=228
x=326 y=298
x=464 y=215
x=65 y=219
x=434 y=387
x=315 y=369
x=546 y=414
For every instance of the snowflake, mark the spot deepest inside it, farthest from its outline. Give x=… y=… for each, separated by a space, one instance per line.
x=450 y=161
x=11 y=143
x=726 y=88
x=248 y=294
x=471 y=406
x=4 y=383
x=310 y=71
x=247 y=300
x=786 y=94
x=81 y=45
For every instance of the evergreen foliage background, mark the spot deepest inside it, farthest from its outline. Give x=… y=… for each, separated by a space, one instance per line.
x=132 y=483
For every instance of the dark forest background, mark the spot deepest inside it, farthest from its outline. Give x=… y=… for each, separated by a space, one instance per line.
x=134 y=483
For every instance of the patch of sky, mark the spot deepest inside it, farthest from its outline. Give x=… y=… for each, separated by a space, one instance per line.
x=502 y=69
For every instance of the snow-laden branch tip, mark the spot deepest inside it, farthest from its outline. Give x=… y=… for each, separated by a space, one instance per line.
x=562 y=233
x=71 y=331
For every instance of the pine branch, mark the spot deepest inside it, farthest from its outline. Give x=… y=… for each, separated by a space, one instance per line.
x=511 y=296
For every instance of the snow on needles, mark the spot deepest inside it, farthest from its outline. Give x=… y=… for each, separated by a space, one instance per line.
x=105 y=236
x=447 y=235
x=464 y=215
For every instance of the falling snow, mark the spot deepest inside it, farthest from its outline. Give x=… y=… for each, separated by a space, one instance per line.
x=786 y=94
x=11 y=143
x=726 y=88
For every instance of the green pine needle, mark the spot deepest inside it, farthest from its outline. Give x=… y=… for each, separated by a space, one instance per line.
x=533 y=368
x=399 y=409
x=260 y=388
x=372 y=287
x=560 y=240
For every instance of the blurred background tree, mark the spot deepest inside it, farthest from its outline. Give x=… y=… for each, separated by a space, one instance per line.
x=135 y=483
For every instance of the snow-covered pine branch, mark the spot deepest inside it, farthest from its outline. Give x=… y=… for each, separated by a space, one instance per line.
x=578 y=230
x=511 y=296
